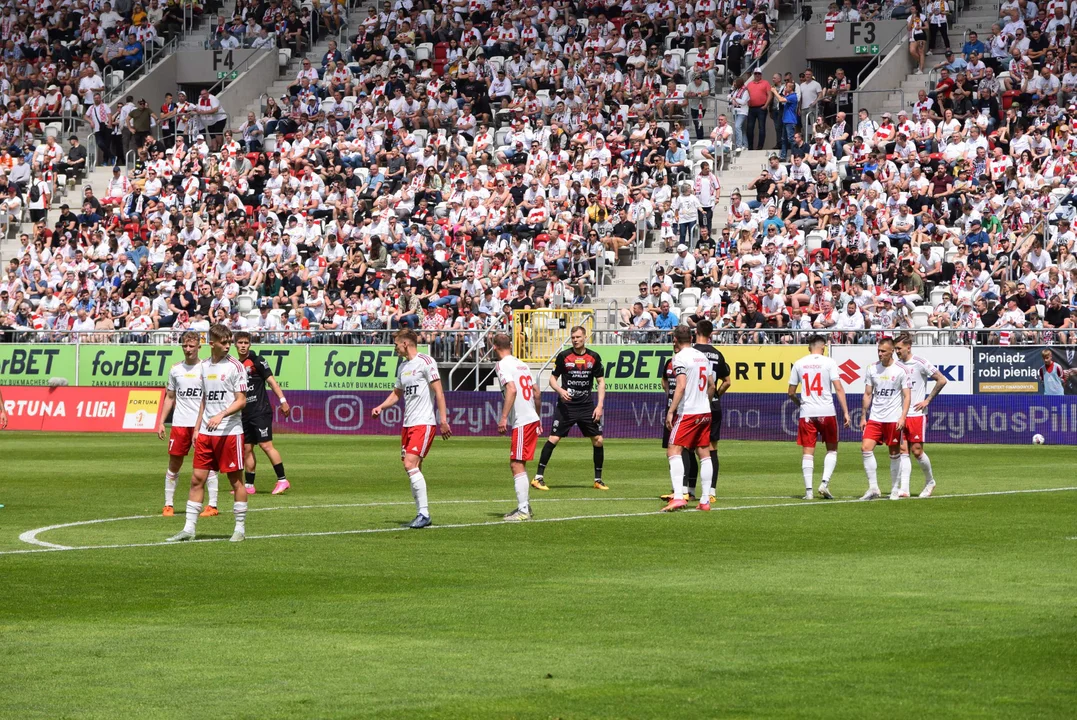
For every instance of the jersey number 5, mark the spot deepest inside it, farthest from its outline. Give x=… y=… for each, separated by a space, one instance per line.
x=702 y=379
x=527 y=387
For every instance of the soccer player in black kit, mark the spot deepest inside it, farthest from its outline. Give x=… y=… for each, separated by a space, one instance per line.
x=258 y=414
x=704 y=328
x=576 y=371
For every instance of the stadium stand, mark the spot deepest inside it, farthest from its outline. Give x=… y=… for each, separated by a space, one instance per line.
x=440 y=166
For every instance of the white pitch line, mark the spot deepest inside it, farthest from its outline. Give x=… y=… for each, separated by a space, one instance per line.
x=30 y=536
x=367 y=531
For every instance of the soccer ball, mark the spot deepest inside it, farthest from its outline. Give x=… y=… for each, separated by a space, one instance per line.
x=1037 y=439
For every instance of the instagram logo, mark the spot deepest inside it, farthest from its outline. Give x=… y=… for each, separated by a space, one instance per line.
x=343 y=413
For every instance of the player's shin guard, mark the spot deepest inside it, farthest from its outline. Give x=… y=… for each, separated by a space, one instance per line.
x=676 y=476
x=830 y=462
x=691 y=467
x=418 y=491
x=212 y=482
x=706 y=477
x=193 y=509
x=925 y=465
x=905 y=471
x=279 y=469
x=240 y=509
x=871 y=468
x=544 y=458
x=521 y=483
x=807 y=466
x=895 y=472
x=170 y=487
x=598 y=454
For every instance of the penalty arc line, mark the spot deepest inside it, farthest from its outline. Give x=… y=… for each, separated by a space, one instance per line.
x=30 y=536
x=370 y=531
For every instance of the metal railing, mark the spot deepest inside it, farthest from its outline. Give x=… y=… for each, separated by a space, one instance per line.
x=874 y=63
x=929 y=336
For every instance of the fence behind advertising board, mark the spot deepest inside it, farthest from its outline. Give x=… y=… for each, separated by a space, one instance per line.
x=749 y=416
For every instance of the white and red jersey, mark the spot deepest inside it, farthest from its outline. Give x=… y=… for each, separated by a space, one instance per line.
x=816 y=375
x=413 y=379
x=220 y=383
x=697 y=371
x=886 y=385
x=920 y=373
x=186 y=382
x=511 y=370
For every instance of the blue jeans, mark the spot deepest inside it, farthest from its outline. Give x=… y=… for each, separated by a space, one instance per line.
x=406 y=321
x=757 y=115
x=687 y=236
x=447 y=300
x=740 y=130
x=788 y=130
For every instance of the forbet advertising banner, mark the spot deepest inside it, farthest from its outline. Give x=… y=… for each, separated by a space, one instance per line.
x=34 y=365
x=81 y=409
x=352 y=367
x=1016 y=369
x=955 y=364
x=753 y=368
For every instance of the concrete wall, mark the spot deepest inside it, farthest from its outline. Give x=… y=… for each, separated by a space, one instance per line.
x=887 y=76
x=154 y=84
x=241 y=92
x=847 y=36
x=257 y=74
x=789 y=58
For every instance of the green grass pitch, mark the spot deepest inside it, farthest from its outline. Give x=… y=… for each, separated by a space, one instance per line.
x=770 y=607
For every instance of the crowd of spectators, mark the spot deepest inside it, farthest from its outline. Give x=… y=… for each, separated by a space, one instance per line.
x=955 y=214
x=401 y=184
x=445 y=168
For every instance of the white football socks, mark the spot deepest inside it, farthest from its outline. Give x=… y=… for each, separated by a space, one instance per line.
x=240 y=509
x=522 y=484
x=418 y=491
x=871 y=467
x=676 y=476
x=170 y=487
x=905 y=471
x=895 y=472
x=211 y=487
x=193 y=509
x=925 y=465
x=706 y=477
x=807 y=466
x=830 y=463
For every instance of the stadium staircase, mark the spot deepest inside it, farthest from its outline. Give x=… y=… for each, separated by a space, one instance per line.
x=623 y=288
x=978 y=19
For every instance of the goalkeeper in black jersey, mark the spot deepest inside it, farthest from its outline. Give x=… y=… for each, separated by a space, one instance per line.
x=576 y=372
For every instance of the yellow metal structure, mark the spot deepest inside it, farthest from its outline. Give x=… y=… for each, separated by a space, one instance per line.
x=538 y=334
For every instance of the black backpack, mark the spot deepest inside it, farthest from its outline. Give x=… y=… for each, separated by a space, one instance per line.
x=35 y=192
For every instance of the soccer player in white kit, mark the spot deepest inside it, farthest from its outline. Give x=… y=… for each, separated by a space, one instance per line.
x=820 y=380
x=183 y=392
x=419 y=386
x=914 y=434
x=887 y=392
x=219 y=445
x=520 y=412
x=689 y=418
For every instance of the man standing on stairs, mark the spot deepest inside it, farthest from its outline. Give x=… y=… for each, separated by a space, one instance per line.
x=759 y=95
